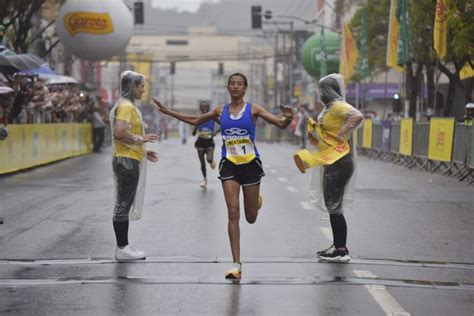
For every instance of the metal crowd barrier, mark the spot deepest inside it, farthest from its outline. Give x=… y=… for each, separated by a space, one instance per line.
x=450 y=151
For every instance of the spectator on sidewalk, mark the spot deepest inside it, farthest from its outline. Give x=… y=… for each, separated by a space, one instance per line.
x=98 y=128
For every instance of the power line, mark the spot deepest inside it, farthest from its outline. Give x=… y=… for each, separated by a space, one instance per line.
x=207 y=58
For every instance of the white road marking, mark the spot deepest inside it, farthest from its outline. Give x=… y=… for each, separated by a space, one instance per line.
x=283 y=179
x=273 y=171
x=323 y=218
x=327 y=232
x=308 y=206
x=385 y=300
x=292 y=189
x=266 y=166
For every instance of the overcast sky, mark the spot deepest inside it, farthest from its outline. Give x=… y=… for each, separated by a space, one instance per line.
x=181 y=5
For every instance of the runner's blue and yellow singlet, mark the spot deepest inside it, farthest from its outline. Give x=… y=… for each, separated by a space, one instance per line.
x=238 y=136
x=206 y=130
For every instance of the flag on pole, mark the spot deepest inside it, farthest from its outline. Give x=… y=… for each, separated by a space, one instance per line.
x=392 y=38
x=349 y=53
x=363 y=60
x=440 y=34
x=403 y=54
x=466 y=71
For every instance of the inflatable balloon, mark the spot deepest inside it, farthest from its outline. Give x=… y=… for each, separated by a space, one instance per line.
x=95 y=29
x=311 y=53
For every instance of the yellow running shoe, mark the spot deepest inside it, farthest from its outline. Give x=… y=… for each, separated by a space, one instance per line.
x=260 y=201
x=235 y=273
x=213 y=164
x=204 y=183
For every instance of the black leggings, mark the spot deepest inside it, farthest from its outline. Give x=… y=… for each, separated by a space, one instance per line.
x=335 y=179
x=127 y=173
x=209 y=152
x=339 y=230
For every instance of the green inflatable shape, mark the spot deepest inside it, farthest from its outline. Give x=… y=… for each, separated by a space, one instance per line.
x=310 y=54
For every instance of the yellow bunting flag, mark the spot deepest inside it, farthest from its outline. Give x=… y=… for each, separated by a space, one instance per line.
x=440 y=34
x=392 y=39
x=349 y=53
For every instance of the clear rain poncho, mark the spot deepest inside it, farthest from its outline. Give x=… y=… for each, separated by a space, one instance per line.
x=129 y=174
x=332 y=185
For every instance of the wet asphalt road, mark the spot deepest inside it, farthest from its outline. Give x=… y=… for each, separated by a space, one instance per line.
x=410 y=235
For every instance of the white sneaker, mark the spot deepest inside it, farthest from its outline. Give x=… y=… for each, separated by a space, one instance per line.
x=128 y=253
x=235 y=273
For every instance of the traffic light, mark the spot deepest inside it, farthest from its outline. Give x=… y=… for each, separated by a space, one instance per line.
x=138 y=12
x=220 y=71
x=256 y=17
x=172 y=68
x=396 y=103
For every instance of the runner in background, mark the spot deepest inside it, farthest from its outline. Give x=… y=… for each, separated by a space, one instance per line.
x=205 y=143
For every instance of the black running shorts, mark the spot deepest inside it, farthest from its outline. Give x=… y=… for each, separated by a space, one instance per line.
x=203 y=143
x=246 y=174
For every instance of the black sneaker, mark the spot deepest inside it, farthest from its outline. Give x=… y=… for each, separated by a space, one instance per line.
x=320 y=252
x=335 y=255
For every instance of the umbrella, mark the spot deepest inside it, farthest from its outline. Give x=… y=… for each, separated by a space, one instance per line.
x=6 y=51
x=61 y=80
x=20 y=61
x=6 y=90
x=38 y=71
x=43 y=72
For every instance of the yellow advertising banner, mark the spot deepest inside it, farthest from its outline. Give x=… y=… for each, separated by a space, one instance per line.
x=406 y=136
x=367 y=134
x=441 y=139
x=30 y=145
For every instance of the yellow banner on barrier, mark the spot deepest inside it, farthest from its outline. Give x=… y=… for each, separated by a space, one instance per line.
x=30 y=145
x=406 y=136
x=367 y=134
x=441 y=139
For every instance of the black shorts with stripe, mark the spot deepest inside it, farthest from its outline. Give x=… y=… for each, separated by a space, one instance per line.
x=246 y=174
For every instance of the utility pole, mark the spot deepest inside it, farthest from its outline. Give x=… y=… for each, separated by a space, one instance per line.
x=290 y=65
x=275 y=72
x=264 y=81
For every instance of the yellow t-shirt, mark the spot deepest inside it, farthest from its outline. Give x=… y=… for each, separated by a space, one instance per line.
x=336 y=116
x=126 y=111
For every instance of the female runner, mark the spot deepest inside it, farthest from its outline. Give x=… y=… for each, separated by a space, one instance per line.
x=240 y=165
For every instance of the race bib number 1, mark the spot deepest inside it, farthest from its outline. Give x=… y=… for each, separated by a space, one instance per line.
x=240 y=151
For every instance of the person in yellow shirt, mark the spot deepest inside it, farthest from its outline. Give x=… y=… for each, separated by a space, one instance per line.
x=331 y=183
x=129 y=161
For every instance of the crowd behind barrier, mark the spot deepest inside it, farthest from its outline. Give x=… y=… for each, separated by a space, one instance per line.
x=44 y=122
x=441 y=145
x=36 y=101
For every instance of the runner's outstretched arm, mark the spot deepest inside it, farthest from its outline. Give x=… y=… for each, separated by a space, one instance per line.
x=282 y=121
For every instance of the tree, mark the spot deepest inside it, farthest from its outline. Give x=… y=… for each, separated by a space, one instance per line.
x=423 y=56
x=17 y=17
x=461 y=44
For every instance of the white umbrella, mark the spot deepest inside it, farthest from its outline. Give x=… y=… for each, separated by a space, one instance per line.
x=61 y=80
